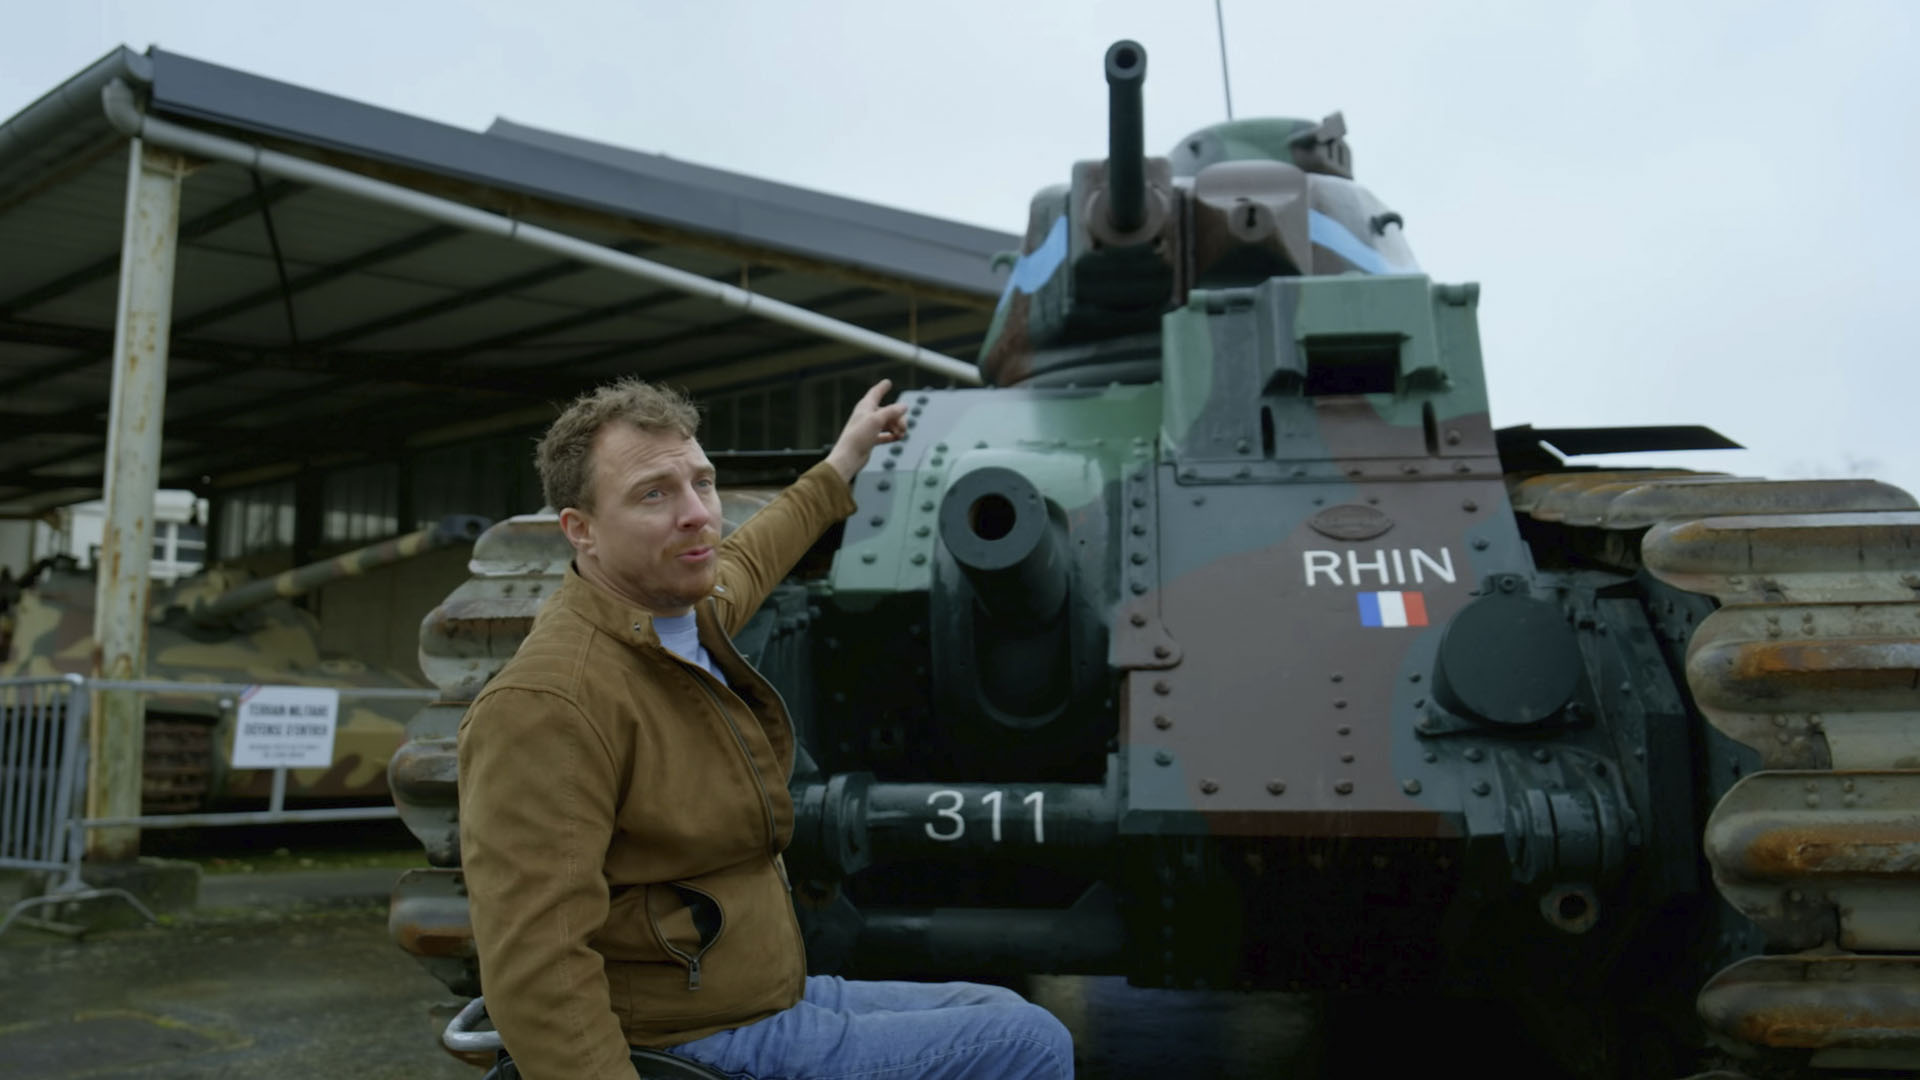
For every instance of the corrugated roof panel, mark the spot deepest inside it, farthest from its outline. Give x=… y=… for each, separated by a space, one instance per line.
x=496 y=316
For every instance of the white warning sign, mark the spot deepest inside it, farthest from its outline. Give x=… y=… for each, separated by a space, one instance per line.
x=289 y=726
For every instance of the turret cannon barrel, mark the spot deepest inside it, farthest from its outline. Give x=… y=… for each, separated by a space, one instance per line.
x=453 y=529
x=1126 y=137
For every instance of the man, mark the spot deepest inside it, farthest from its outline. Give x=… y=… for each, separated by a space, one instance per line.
x=623 y=799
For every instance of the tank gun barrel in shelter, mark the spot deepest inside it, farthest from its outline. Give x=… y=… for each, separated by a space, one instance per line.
x=453 y=529
x=1126 y=137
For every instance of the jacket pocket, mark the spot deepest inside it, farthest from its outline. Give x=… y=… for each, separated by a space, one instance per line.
x=686 y=921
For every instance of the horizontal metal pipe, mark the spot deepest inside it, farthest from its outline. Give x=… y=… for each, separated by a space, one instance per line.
x=125 y=115
x=347 y=693
x=1086 y=939
x=245 y=817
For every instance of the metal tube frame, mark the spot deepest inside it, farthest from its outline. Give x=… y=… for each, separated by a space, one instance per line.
x=142 y=324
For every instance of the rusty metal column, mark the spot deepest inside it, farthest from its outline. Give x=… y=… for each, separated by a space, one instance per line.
x=141 y=326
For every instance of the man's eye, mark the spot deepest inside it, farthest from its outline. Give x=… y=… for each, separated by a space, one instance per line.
x=653 y=495
x=705 y=482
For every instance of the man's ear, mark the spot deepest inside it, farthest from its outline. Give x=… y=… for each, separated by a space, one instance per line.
x=578 y=529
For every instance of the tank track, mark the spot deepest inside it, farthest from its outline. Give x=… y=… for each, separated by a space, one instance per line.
x=176 y=775
x=1811 y=660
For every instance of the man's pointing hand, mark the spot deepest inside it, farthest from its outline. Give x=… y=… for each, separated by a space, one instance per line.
x=870 y=425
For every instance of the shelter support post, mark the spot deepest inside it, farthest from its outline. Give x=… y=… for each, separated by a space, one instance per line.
x=141 y=326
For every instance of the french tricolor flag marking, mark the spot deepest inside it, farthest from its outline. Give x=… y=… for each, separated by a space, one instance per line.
x=1393 y=609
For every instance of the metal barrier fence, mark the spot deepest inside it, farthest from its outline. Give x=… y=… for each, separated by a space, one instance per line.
x=42 y=762
x=43 y=776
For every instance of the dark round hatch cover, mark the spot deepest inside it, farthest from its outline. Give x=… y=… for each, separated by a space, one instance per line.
x=1507 y=660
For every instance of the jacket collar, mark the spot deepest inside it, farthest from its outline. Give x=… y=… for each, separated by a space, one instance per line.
x=611 y=614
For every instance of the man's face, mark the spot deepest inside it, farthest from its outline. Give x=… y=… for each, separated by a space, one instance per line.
x=652 y=534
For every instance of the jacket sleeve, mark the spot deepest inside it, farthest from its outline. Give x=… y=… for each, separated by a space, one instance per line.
x=537 y=803
x=762 y=551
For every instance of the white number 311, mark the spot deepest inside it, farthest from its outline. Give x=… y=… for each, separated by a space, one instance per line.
x=948 y=825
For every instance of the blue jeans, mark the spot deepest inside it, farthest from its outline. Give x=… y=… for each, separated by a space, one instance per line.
x=894 y=1031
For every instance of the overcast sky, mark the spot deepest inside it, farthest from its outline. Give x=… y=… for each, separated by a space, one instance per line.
x=1680 y=212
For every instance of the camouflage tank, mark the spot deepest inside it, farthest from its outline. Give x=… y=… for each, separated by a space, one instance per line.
x=221 y=627
x=1224 y=642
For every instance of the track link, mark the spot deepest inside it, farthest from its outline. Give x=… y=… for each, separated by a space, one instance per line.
x=1813 y=661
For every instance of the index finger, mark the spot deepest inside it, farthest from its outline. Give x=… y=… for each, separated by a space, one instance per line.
x=876 y=394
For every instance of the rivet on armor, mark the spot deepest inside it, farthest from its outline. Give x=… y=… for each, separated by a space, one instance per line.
x=1846 y=785
x=981 y=445
x=1462 y=467
x=1138 y=558
x=1415 y=677
x=896 y=449
x=867 y=557
x=940 y=448
x=937 y=461
x=1430 y=757
x=1411 y=787
x=884 y=484
x=923 y=531
x=1162 y=722
x=1162 y=651
x=1243 y=446
x=1343 y=729
x=1410 y=469
x=1137 y=586
x=1139 y=501
x=1481 y=787
x=1346 y=759
x=1343 y=787
x=919 y=558
x=1162 y=757
x=1199 y=500
x=1338 y=677
x=1339 y=703
x=1139 y=529
x=1138 y=618
x=1162 y=687
x=1243 y=472
x=927 y=506
x=1354 y=472
x=1208 y=787
x=1275 y=787
x=1469 y=506
x=922 y=399
x=931 y=481
x=1474 y=753
x=1480 y=543
x=1813 y=800
x=1542 y=756
x=1453 y=437
x=876 y=521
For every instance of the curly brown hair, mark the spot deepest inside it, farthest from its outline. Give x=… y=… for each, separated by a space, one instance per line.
x=565 y=454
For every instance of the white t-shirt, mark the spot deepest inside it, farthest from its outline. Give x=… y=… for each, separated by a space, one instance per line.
x=681 y=635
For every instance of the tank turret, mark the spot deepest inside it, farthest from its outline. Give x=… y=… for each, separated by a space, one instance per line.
x=454 y=529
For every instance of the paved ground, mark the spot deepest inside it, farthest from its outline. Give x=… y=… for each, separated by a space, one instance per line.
x=292 y=975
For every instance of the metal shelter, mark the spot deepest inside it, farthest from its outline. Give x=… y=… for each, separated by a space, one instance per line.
x=214 y=280
x=312 y=324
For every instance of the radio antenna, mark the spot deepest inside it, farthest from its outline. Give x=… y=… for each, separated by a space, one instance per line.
x=1226 y=82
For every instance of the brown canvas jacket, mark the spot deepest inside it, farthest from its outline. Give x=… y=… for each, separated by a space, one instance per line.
x=622 y=813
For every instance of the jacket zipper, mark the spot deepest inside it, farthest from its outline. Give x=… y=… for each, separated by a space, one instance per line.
x=691 y=960
x=740 y=740
x=773 y=833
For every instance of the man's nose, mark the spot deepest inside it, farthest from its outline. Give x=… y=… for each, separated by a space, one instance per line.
x=694 y=512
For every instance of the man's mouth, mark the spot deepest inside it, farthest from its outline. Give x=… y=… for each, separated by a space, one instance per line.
x=696 y=555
